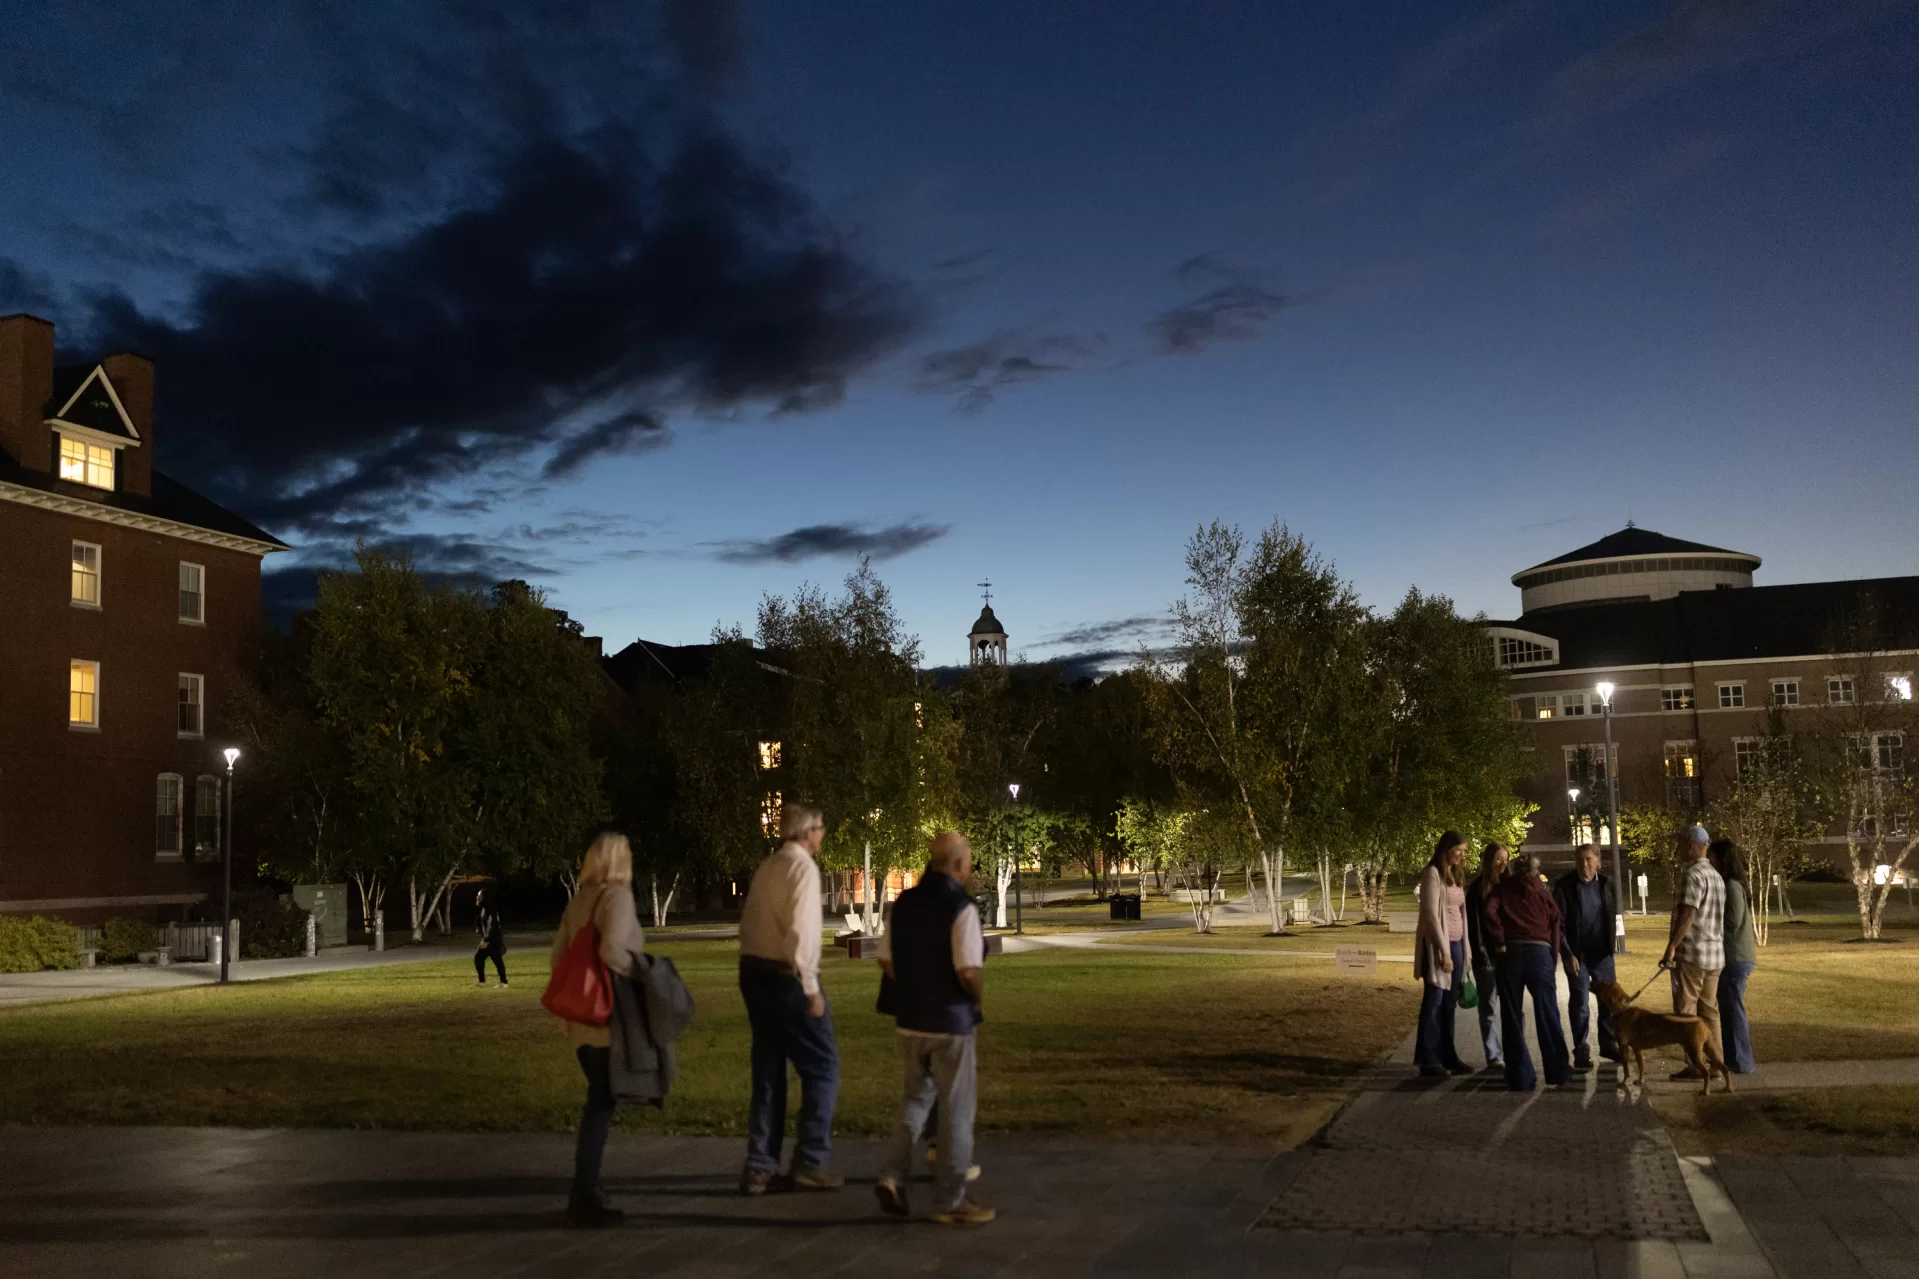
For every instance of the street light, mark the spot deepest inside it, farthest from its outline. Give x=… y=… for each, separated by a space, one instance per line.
x=1605 y=690
x=226 y=870
x=1019 y=917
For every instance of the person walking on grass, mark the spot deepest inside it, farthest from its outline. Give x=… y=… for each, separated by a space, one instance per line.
x=780 y=981
x=1521 y=923
x=1696 y=947
x=1742 y=952
x=492 y=933
x=1492 y=868
x=934 y=958
x=1440 y=955
x=604 y=900
x=1589 y=911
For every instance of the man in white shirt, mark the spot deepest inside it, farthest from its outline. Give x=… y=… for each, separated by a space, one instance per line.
x=780 y=980
x=934 y=956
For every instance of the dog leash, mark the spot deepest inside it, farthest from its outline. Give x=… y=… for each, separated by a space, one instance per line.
x=1649 y=981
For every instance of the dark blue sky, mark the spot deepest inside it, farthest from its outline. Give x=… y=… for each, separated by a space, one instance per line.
x=664 y=306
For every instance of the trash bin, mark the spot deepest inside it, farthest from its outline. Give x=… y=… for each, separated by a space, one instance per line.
x=1123 y=906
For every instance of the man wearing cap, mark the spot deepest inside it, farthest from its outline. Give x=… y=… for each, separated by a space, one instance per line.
x=1696 y=948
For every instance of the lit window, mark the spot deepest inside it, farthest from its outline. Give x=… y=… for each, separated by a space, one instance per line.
x=770 y=814
x=1675 y=699
x=193 y=599
x=86 y=573
x=1545 y=707
x=1898 y=688
x=1682 y=774
x=166 y=816
x=769 y=755
x=1839 y=690
x=192 y=717
x=1572 y=704
x=85 y=463
x=206 y=818
x=83 y=694
x=1785 y=692
x=1731 y=696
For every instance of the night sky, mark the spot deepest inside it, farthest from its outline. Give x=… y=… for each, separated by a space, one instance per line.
x=664 y=306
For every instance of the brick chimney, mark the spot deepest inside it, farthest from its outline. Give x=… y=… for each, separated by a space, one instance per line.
x=132 y=377
x=26 y=383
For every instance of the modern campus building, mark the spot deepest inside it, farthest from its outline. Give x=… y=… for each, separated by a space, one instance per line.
x=133 y=604
x=1698 y=656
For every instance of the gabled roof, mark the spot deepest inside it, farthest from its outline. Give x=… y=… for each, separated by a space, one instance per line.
x=987 y=624
x=83 y=395
x=171 y=502
x=1797 y=620
x=1637 y=541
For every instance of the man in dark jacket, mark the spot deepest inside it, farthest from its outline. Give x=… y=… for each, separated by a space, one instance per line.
x=934 y=956
x=492 y=939
x=1588 y=910
x=1521 y=924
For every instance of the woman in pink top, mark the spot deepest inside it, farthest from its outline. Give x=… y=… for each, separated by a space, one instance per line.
x=1441 y=956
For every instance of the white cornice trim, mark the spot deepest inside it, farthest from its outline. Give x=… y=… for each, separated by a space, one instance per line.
x=63 y=427
x=132 y=519
x=100 y=372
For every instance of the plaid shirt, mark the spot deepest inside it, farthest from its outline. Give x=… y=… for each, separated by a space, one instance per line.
x=1704 y=945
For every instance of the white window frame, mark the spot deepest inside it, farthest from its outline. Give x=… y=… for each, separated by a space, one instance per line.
x=179 y=790
x=1572 y=705
x=1506 y=638
x=86 y=469
x=1598 y=750
x=1670 y=695
x=198 y=684
x=1546 y=706
x=1790 y=697
x=201 y=817
x=1744 y=748
x=1686 y=748
x=201 y=569
x=1835 y=684
x=83 y=725
x=73 y=574
x=1732 y=695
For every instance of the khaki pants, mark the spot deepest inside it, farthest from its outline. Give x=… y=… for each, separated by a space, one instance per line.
x=1695 y=993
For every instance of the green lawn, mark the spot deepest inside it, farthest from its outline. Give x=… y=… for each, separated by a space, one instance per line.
x=1201 y=1048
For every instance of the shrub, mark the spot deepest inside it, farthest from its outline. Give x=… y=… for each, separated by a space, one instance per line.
x=271 y=927
x=124 y=939
x=30 y=945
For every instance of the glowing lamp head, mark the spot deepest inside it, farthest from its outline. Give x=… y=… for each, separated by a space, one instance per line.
x=1012 y=788
x=1572 y=793
x=233 y=755
x=1604 y=689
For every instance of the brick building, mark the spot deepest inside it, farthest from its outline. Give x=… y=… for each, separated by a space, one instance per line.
x=1699 y=657
x=132 y=605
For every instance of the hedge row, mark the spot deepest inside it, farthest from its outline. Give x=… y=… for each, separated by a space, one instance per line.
x=30 y=945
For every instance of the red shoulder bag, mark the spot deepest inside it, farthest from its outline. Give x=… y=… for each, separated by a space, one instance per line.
x=580 y=989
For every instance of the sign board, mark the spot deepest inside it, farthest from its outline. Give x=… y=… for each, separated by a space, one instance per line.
x=1360 y=960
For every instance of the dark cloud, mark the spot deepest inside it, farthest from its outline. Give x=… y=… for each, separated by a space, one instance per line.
x=287 y=592
x=21 y=290
x=975 y=374
x=709 y=40
x=1237 y=307
x=817 y=541
x=1146 y=629
x=590 y=272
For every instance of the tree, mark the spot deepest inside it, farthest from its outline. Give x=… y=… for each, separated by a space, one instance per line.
x=1767 y=814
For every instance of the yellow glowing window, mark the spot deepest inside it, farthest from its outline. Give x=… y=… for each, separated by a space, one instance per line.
x=86 y=573
x=769 y=755
x=85 y=463
x=770 y=813
x=83 y=693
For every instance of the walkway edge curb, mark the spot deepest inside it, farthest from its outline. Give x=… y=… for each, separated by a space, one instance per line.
x=1733 y=1249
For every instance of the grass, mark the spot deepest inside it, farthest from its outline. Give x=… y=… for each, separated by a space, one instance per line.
x=1151 y=1047
x=1878 y=1120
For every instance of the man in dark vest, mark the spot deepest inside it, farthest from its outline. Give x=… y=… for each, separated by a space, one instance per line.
x=1589 y=915
x=934 y=957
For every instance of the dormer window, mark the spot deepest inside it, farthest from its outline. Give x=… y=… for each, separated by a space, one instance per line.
x=84 y=462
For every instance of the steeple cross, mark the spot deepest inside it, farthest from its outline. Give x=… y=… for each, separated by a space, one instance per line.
x=986 y=591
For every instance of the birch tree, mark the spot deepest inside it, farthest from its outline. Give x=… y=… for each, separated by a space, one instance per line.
x=1768 y=813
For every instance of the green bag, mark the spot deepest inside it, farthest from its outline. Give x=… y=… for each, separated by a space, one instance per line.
x=1468 y=993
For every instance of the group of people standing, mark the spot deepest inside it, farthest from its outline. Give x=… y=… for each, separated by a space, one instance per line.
x=932 y=960
x=1505 y=931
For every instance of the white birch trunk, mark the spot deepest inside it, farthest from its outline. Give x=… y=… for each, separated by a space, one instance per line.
x=1272 y=864
x=661 y=905
x=1002 y=881
x=432 y=907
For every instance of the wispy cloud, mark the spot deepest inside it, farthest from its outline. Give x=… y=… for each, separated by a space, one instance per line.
x=1238 y=306
x=1677 y=162
x=820 y=541
x=975 y=374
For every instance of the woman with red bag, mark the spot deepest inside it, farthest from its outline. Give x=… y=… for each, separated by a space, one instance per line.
x=603 y=905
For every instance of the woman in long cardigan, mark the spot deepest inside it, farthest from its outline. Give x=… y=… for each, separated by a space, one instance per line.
x=1441 y=956
x=1742 y=952
x=1492 y=869
x=605 y=900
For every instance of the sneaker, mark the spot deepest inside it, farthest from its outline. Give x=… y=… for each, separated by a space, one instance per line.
x=965 y=1213
x=892 y=1198
x=1497 y=1063
x=814 y=1179
x=933 y=1160
x=1583 y=1061
x=755 y=1181
x=502 y=983
x=592 y=1216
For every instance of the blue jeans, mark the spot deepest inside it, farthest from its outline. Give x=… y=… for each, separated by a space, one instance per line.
x=1487 y=980
x=1734 y=1030
x=1433 y=1047
x=940 y=1077
x=1578 y=988
x=782 y=1032
x=595 y=1120
x=1527 y=969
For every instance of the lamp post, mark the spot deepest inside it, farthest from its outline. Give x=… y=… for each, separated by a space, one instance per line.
x=1605 y=690
x=226 y=869
x=1019 y=917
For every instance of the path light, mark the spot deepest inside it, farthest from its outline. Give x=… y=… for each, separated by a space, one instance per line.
x=232 y=754
x=1605 y=690
x=1019 y=914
